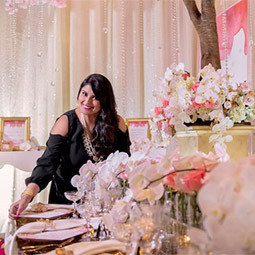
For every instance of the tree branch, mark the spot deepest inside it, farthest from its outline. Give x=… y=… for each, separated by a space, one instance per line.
x=207 y=7
x=194 y=13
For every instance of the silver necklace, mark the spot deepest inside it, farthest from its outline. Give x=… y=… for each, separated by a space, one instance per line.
x=87 y=142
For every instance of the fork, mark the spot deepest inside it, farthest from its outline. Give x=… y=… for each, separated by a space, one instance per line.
x=42 y=246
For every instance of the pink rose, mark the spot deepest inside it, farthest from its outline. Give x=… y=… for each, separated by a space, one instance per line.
x=165 y=103
x=193 y=181
x=185 y=182
x=244 y=86
x=124 y=176
x=196 y=105
x=159 y=124
x=249 y=99
x=170 y=179
x=194 y=87
x=208 y=104
x=185 y=75
x=158 y=110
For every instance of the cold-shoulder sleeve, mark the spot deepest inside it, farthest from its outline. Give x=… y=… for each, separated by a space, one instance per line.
x=123 y=142
x=48 y=163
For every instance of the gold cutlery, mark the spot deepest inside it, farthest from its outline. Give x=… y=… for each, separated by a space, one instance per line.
x=31 y=248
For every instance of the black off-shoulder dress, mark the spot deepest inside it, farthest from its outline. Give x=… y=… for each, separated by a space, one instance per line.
x=63 y=158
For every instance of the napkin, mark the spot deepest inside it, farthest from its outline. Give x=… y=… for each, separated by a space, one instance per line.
x=93 y=248
x=36 y=227
x=46 y=211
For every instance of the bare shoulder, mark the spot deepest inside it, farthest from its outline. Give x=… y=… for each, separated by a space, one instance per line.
x=122 y=124
x=61 y=126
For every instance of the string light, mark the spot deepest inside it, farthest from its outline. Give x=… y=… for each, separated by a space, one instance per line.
x=250 y=44
x=123 y=58
x=224 y=36
x=141 y=21
x=251 y=39
x=13 y=61
x=174 y=32
x=105 y=28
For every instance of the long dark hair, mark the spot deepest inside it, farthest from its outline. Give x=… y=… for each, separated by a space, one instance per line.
x=104 y=132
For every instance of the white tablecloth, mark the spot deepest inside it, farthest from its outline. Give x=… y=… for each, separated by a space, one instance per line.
x=23 y=160
x=15 y=167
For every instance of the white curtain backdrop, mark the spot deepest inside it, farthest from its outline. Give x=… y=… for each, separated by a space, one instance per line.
x=46 y=53
x=29 y=74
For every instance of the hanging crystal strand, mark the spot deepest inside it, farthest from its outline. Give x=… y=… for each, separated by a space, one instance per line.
x=107 y=12
x=251 y=64
x=177 y=24
x=250 y=13
x=141 y=21
x=189 y=215
x=141 y=56
x=105 y=28
x=28 y=23
x=174 y=33
x=39 y=55
x=12 y=74
x=170 y=30
x=123 y=58
x=176 y=203
x=225 y=38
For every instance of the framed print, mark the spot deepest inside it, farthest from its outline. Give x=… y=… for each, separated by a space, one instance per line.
x=139 y=128
x=15 y=130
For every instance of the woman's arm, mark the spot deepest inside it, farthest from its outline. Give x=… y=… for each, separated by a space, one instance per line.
x=122 y=124
x=50 y=160
x=46 y=166
x=60 y=127
x=27 y=196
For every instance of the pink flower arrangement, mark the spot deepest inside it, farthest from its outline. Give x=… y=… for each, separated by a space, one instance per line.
x=215 y=98
x=186 y=183
x=191 y=180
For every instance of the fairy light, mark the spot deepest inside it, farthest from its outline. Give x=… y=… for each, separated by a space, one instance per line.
x=105 y=28
x=174 y=31
x=250 y=44
x=251 y=39
x=123 y=58
x=224 y=35
x=12 y=74
x=141 y=21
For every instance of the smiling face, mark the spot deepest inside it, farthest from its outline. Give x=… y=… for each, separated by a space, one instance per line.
x=87 y=102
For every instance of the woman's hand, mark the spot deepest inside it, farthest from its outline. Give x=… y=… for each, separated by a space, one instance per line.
x=19 y=206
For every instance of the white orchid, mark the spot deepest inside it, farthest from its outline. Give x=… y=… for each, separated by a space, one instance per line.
x=168 y=74
x=229 y=220
x=180 y=68
x=214 y=98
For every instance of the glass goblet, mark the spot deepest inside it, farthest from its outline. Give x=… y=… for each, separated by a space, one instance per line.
x=86 y=211
x=73 y=196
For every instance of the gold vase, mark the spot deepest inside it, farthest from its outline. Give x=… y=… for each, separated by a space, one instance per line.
x=197 y=139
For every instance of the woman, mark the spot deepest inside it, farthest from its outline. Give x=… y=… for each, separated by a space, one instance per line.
x=90 y=132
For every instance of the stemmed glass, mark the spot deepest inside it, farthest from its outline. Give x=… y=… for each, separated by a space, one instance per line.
x=85 y=209
x=74 y=196
x=144 y=230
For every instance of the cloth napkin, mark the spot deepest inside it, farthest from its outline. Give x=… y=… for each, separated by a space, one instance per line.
x=93 y=248
x=35 y=227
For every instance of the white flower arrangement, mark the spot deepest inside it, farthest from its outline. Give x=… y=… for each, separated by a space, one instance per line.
x=215 y=98
x=226 y=201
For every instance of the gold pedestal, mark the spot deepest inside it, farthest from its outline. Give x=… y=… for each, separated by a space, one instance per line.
x=197 y=139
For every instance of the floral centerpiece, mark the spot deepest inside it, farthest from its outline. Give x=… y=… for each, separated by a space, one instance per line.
x=214 y=97
x=145 y=175
x=229 y=212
